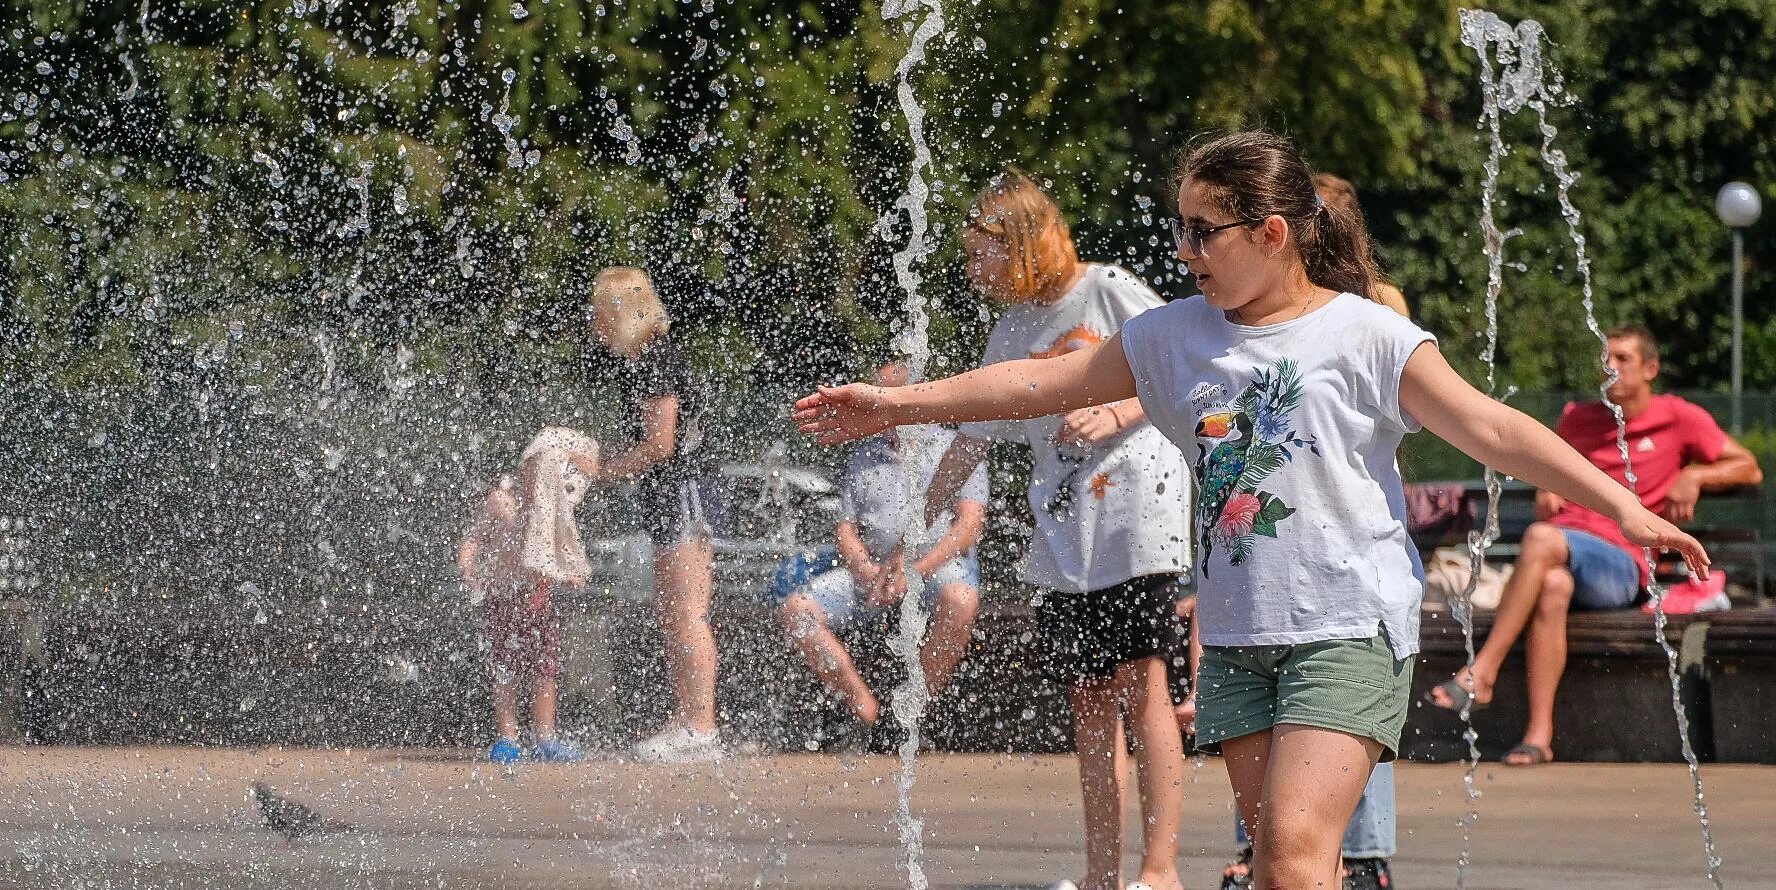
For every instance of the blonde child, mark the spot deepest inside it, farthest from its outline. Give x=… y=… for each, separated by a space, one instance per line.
x=1109 y=495
x=519 y=550
x=1291 y=389
x=661 y=410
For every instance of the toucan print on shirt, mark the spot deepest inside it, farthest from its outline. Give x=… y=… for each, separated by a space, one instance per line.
x=1239 y=445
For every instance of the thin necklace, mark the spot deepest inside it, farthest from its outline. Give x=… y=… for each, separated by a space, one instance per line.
x=1304 y=307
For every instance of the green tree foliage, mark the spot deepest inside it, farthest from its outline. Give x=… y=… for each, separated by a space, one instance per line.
x=444 y=176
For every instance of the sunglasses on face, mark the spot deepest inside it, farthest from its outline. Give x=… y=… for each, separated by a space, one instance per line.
x=1195 y=237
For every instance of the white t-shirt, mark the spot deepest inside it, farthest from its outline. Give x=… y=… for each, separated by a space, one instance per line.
x=1292 y=429
x=1104 y=514
x=873 y=492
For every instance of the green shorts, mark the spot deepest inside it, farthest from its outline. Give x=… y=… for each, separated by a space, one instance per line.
x=1354 y=686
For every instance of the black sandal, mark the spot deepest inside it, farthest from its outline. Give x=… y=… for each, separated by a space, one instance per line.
x=1238 y=882
x=1367 y=874
x=1532 y=755
x=1459 y=697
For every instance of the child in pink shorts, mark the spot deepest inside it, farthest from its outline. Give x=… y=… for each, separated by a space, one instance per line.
x=518 y=552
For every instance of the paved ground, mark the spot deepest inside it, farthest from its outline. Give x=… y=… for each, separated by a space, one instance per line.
x=179 y=818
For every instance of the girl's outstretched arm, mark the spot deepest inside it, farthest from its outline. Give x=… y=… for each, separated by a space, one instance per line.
x=1005 y=391
x=1511 y=442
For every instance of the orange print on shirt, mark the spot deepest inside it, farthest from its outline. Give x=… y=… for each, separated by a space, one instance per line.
x=1101 y=484
x=1080 y=337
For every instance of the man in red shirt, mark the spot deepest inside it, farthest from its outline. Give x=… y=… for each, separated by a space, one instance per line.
x=1575 y=558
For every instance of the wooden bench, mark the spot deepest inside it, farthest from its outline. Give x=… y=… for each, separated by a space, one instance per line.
x=1739 y=661
x=1614 y=702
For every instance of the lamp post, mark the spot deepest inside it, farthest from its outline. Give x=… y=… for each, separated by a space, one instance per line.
x=1738 y=206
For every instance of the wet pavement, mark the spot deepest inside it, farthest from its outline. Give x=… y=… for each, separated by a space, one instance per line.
x=182 y=818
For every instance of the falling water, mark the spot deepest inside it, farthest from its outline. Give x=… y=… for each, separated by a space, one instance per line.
x=1473 y=35
x=1524 y=82
x=910 y=699
x=1555 y=159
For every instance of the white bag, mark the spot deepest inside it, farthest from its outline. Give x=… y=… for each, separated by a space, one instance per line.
x=1447 y=573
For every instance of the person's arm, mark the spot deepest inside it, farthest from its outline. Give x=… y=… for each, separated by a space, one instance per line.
x=497 y=508
x=586 y=462
x=1089 y=426
x=856 y=556
x=1511 y=442
x=1735 y=467
x=659 y=436
x=958 y=463
x=1014 y=390
x=465 y=557
x=965 y=532
x=1185 y=711
x=1547 y=503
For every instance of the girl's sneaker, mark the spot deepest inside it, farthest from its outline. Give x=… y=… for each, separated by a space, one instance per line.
x=557 y=751
x=679 y=744
x=505 y=752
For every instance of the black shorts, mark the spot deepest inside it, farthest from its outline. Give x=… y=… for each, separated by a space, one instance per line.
x=678 y=511
x=1089 y=634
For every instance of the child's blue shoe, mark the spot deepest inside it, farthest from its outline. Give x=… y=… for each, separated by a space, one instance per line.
x=505 y=752
x=557 y=751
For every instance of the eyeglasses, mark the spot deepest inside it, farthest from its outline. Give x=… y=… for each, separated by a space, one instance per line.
x=1195 y=237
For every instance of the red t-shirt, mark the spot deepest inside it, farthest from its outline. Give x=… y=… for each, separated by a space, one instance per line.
x=1668 y=436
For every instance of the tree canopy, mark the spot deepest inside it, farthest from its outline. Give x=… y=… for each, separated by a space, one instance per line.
x=442 y=177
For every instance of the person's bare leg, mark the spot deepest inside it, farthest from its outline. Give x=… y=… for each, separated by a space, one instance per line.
x=1312 y=783
x=1247 y=759
x=1159 y=754
x=806 y=624
x=1543 y=548
x=542 y=708
x=683 y=583
x=946 y=639
x=505 y=709
x=1097 y=734
x=1545 y=659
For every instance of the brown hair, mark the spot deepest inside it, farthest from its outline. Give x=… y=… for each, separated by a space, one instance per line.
x=1255 y=174
x=1649 y=346
x=1335 y=189
x=1014 y=209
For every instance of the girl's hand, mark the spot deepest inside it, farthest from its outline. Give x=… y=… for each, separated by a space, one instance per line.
x=844 y=413
x=1647 y=529
x=1089 y=426
x=1185 y=714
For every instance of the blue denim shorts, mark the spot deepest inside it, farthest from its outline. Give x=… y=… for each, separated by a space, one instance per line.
x=837 y=594
x=1604 y=575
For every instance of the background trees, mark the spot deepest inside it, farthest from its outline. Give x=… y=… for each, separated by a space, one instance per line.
x=358 y=232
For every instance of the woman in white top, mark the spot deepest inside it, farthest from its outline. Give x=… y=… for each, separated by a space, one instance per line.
x=1108 y=492
x=1290 y=390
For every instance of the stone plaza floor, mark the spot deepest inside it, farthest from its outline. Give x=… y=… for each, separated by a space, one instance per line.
x=182 y=818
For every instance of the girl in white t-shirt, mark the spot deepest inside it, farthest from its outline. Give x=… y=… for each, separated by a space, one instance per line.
x=1289 y=390
x=1108 y=493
